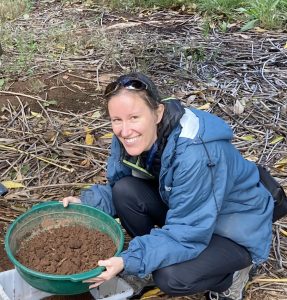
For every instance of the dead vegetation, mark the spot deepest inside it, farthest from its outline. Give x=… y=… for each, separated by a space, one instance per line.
x=50 y=147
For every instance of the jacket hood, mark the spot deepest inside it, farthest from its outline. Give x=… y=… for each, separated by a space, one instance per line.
x=201 y=126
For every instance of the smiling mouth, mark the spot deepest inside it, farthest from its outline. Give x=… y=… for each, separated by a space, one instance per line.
x=130 y=141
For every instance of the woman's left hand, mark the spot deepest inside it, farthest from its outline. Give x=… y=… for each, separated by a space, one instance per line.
x=113 y=265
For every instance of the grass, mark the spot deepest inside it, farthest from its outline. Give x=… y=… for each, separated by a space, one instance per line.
x=218 y=6
x=12 y=9
x=66 y=39
x=269 y=14
x=23 y=43
x=127 y=4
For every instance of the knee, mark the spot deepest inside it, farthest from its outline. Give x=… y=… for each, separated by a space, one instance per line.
x=122 y=190
x=121 y=186
x=163 y=279
x=173 y=285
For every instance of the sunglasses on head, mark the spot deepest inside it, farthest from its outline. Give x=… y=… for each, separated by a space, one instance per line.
x=127 y=83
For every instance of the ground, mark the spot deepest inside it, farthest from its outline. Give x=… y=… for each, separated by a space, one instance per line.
x=55 y=136
x=66 y=91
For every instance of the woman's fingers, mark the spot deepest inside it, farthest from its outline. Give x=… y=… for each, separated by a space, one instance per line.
x=95 y=282
x=113 y=265
x=95 y=285
x=70 y=199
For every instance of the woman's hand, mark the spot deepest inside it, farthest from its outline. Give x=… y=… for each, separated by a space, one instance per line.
x=114 y=265
x=70 y=199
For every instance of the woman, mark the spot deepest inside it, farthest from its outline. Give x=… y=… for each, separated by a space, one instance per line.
x=195 y=208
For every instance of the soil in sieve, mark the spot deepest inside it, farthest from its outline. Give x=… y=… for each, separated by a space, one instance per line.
x=65 y=250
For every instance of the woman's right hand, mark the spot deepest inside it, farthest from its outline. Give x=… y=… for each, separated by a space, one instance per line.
x=70 y=199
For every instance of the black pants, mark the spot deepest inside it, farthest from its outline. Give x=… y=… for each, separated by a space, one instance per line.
x=140 y=208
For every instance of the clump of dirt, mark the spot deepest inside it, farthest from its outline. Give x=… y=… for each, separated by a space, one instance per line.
x=65 y=250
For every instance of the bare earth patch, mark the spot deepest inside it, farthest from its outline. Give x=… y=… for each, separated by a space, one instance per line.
x=66 y=92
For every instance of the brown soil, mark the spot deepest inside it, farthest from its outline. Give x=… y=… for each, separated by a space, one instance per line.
x=65 y=250
x=75 y=92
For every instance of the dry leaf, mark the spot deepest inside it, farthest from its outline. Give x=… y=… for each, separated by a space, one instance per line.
x=259 y=29
x=89 y=139
x=96 y=114
x=204 y=107
x=12 y=184
x=244 y=36
x=67 y=133
x=86 y=186
x=199 y=93
x=50 y=135
x=248 y=138
x=281 y=163
x=151 y=294
x=107 y=136
x=190 y=99
x=35 y=114
x=123 y=25
x=283 y=231
x=239 y=107
x=85 y=163
x=18 y=208
x=251 y=157
x=277 y=139
x=61 y=47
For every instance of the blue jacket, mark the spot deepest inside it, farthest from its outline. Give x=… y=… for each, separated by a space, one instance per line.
x=209 y=188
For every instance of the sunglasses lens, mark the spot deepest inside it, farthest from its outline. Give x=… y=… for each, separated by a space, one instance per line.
x=135 y=85
x=129 y=84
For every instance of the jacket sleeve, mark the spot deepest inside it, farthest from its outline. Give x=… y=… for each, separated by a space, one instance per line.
x=190 y=221
x=99 y=196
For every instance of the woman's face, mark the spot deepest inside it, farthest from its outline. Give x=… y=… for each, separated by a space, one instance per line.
x=133 y=121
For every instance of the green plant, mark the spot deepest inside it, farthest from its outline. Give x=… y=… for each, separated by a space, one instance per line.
x=23 y=44
x=206 y=26
x=2 y=83
x=226 y=7
x=194 y=53
x=223 y=26
x=270 y=14
x=26 y=48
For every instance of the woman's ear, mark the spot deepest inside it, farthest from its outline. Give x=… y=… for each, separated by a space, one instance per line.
x=159 y=113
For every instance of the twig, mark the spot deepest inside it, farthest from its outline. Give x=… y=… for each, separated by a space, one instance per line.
x=23 y=95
